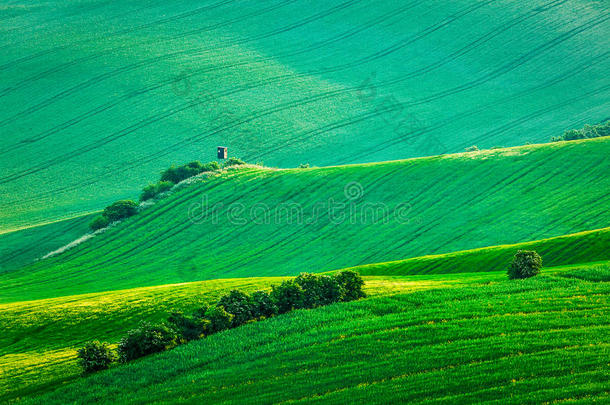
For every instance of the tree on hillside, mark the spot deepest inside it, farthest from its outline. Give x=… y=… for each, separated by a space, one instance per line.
x=526 y=263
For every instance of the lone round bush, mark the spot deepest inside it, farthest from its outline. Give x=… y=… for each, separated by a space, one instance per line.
x=95 y=356
x=526 y=263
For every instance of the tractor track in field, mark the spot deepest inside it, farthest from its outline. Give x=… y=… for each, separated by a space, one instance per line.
x=558 y=79
x=186 y=76
x=279 y=78
x=134 y=66
x=501 y=183
x=18 y=252
x=138 y=161
x=36 y=55
x=190 y=105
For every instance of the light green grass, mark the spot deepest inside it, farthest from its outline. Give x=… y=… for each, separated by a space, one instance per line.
x=430 y=206
x=525 y=341
x=40 y=338
x=92 y=111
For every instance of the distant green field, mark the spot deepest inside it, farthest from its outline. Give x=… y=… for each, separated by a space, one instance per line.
x=22 y=247
x=250 y=227
x=99 y=96
x=540 y=340
x=559 y=251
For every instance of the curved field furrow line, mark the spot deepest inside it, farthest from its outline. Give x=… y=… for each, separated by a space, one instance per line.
x=177 y=228
x=134 y=223
x=504 y=182
x=147 y=216
x=188 y=76
x=557 y=79
x=387 y=83
x=486 y=78
x=384 y=145
x=113 y=34
x=7 y=258
x=127 y=68
x=553 y=81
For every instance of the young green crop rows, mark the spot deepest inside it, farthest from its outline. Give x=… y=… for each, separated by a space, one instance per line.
x=243 y=223
x=526 y=341
x=102 y=96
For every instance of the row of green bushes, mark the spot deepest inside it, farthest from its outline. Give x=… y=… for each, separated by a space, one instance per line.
x=586 y=132
x=232 y=310
x=173 y=175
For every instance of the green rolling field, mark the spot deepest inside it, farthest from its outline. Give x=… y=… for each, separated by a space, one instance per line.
x=357 y=121
x=102 y=95
x=24 y=246
x=405 y=320
x=262 y=222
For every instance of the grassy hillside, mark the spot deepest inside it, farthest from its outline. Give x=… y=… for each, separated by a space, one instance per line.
x=22 y=247
x=562 y=250
x=40 y=338
x=260 y=222
x=531 y=341
x=102 y=95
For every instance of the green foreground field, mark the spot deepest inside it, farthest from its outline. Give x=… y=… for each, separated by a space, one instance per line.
x=103 y=95
x=525 y=341
x=41 y=336
x=257 y=222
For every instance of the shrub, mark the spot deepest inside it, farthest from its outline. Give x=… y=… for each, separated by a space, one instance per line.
x=218 y=318
x=586 y=132
x=312 y=289
x=152 y=190
x=239 y=305
x=188 y=328
x=287 y=296
x=331 y=290
x=120 y=210
x=351 y=285
x=146 y=339
x=210 y=167
x=175 y=174
x=263 y=305
x=526 y=263
x=98 y=223
x=95 y=356
x=233 y=162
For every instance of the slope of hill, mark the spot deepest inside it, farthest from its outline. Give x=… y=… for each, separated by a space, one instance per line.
x=260 y=222
x=513 y=342
x=559 y=251
x=22 y=247
x=40 y=337
x=103 y=95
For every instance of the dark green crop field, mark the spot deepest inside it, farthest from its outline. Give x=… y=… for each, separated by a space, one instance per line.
x=99 y=96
